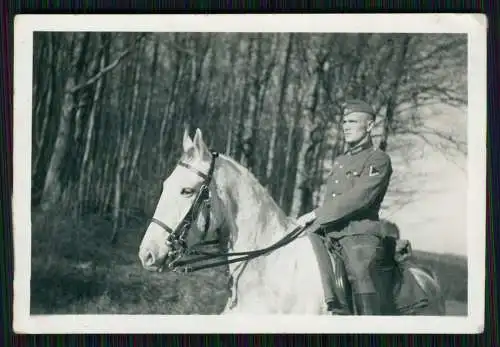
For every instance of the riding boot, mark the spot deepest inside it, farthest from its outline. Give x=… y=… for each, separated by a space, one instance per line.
x=368 y=304
x=337 y=309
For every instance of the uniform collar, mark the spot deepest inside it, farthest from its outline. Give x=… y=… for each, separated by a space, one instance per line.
x=364 y=144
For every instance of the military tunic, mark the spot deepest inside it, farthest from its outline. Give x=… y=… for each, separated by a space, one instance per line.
x=355 y=190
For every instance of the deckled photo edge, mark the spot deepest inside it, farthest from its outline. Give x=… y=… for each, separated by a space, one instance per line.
x=25 y=25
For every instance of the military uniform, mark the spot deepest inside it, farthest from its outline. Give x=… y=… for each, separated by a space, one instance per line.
x=355 y=190
x=349 y=216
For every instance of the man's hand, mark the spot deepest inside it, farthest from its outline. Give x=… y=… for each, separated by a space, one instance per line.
x=306 y=219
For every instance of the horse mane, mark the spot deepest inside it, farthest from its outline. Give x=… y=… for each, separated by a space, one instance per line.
x=250 y=201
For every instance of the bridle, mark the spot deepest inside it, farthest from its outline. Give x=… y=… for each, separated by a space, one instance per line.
x=177 y=238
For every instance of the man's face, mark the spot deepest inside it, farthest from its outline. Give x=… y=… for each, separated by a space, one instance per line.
x=356 y=125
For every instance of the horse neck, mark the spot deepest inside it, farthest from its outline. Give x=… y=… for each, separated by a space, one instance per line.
x=253 y=218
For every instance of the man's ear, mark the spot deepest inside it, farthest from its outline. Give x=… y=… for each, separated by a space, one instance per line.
x=371 y=123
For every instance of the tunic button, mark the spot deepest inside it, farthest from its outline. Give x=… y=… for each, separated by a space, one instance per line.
x=336 y=181
x=334 y=195
x=341 y=166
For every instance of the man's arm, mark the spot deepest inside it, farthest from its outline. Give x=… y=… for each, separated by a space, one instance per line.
x=369 y=185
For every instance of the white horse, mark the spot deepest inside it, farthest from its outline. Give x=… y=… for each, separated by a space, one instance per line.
x=243 y=217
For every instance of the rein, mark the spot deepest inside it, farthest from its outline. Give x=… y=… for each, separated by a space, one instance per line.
x=177 y=237
x=182 y=265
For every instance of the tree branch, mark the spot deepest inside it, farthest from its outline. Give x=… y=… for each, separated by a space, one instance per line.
x=101 y=73
x=105 y=70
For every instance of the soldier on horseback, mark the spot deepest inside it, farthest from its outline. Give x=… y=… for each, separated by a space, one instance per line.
x=349 y=216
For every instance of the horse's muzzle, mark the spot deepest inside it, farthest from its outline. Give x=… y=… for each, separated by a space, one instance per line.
x=151 y=262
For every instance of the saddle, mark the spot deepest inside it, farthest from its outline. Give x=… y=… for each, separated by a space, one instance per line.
x=405 y=294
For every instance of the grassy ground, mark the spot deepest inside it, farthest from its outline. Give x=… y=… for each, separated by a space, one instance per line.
x=75 y=270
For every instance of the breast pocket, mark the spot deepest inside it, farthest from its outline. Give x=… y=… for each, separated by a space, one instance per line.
x=341 y=183
x=352 y=175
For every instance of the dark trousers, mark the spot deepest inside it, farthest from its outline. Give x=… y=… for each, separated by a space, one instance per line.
x=367 y=261
x=364 y=257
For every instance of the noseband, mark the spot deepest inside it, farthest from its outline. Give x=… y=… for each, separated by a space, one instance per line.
x=177 y=237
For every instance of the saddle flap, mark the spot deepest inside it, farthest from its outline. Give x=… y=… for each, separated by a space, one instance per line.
x=340 y=285
x=333 y=275
x=414 y=288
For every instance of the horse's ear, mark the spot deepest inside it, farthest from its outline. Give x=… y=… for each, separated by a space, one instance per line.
x=187 y=143
x=198 y=136
x=199 y=144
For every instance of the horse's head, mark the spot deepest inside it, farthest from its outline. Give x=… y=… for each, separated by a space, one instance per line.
x=185 y=213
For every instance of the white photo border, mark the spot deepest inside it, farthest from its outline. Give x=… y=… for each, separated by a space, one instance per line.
x=474 y=25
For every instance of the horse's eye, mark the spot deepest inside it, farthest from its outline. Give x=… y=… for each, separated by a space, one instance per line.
x=187 y=191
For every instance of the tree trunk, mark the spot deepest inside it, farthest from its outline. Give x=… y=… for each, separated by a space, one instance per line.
x=142 y=130
x=293 y=130
x=52 y=186
x=170 y=106
x=240 y=137
x=289 y=193
x=85 y=170
x=256 y=86
x=129 y=125
x=51 y=78
x=118 y=194
x=197 y=60
x=306 y=186
x=124 y=145
x=279 y=115
x=232 y=99
x=391 y=102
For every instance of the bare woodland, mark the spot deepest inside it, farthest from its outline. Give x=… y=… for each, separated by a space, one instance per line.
x=109 y=109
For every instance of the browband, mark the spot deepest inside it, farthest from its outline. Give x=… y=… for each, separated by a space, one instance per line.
x=196 y=171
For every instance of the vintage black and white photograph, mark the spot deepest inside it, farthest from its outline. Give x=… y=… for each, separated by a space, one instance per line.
x=204 y=169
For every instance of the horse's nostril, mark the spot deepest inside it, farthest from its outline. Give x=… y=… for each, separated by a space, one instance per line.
x=149 y=259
